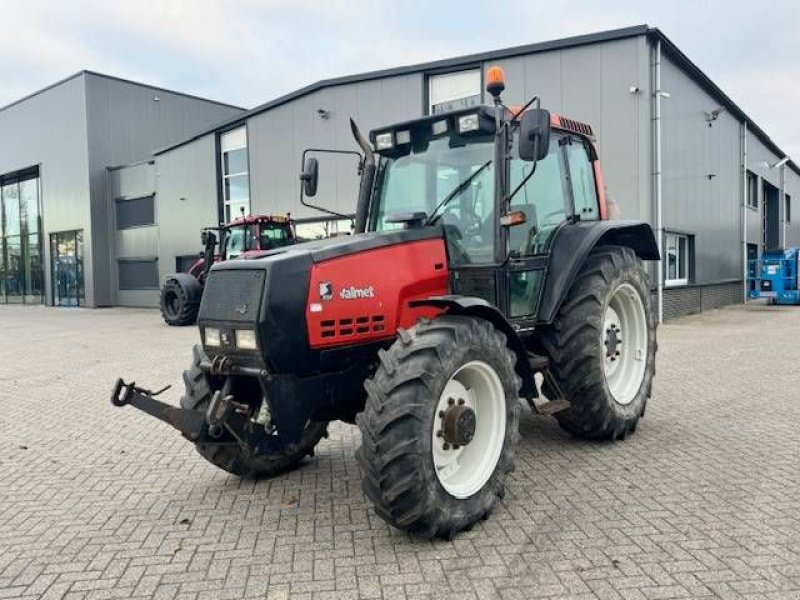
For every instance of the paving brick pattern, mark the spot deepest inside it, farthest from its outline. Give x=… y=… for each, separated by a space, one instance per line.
x=96 y=502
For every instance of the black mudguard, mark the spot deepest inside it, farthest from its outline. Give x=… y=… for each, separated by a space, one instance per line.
x=478 y=307
x=572 y=245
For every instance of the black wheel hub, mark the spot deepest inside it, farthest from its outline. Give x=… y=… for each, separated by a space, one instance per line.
x=613 y=341
x=458 y=425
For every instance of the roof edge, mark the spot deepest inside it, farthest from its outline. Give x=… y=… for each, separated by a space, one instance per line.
x=453 y=63
x=85 y=72
x=705 y=82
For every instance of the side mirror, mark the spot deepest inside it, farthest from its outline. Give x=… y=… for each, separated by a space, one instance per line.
x=310 y=176
x=534 y=134
x=203 y=237
x=207 y=237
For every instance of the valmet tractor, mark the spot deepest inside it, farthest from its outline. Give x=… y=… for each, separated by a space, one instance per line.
x=483 y=271
x=246 y=237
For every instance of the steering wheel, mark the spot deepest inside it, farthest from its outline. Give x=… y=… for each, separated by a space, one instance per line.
x=468 y=223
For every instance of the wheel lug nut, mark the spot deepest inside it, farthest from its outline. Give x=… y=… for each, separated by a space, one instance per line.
x=461 y=402
x=455 y=446
x=451 y=401
x=441 y=414
x=445 y=446
x=439 y=433
x=617 y=353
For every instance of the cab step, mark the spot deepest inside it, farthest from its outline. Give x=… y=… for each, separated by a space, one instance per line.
x=540 y=405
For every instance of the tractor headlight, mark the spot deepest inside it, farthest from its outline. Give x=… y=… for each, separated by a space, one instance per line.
x=245 y=339
x=468 y=123
x=212 y=336
x=384 y=141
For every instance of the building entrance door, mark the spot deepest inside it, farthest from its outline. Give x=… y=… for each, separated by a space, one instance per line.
x=66 y=259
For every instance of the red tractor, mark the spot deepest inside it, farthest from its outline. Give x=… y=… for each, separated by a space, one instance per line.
x=484 y=273
x=246 y=237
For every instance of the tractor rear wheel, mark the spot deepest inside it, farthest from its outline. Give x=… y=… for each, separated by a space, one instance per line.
x=236 y=458
x=602 y=346
x=175 y=306
x=439 y=428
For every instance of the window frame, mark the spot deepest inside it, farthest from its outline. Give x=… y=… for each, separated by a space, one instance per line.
x=431 y=76
x=227 y=215
x=752 y=197
x=787 y=208
x=122 y=200
x=140 y=261
x=572 y=139
x=685 y=260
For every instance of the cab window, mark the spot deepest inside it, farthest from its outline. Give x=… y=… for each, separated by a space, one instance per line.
x=543 y=199
x=581 y=174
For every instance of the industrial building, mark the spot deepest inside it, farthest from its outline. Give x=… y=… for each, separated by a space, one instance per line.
x=135 y=185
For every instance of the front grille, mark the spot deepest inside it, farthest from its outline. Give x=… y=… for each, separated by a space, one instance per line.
x=352 y=326
x=232 y=295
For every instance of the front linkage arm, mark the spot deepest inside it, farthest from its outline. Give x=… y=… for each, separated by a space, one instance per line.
x=194 y=425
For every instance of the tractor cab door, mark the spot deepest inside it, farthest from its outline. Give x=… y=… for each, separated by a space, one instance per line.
x=561 y=190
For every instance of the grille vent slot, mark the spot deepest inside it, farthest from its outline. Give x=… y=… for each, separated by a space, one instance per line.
x=352 y=327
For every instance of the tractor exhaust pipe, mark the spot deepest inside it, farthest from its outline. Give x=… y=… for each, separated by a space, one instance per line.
x=367 y=178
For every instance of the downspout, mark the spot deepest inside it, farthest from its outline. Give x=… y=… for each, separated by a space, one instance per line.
x=782 y=205
x=659 y=201
x=745 y=265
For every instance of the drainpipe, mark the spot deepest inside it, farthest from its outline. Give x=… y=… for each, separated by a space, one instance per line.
x=745 y=266
x=659 y=224
x=782 y=205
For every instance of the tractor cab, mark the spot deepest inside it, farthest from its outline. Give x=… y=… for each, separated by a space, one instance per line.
x=252 y=235
x=501 y=182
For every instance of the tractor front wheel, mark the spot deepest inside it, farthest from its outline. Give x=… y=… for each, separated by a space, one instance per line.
x=602 y=346
x=236 y=458
x=439 y=428
x=175 y=306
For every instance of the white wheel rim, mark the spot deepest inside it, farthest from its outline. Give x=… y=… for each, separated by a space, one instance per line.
x=464 y=470
x=624 y=343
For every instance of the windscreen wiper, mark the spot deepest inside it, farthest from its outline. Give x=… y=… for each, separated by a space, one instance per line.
x=458 y=189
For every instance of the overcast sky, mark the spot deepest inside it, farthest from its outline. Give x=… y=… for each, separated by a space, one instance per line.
x=246 y=52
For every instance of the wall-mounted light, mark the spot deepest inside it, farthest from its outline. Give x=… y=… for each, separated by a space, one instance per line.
x=662 y=94
x=156 y=98
x=780 y=163
x=714 y=115
x=634 y=89
x=324 y=114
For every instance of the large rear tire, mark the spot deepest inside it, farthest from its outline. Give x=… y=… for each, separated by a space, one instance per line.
x=176 y=308
x=602 y=345
x=236 y=458
x=439 y=428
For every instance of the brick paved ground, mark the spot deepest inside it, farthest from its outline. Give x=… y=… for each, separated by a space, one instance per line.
x=96 y=502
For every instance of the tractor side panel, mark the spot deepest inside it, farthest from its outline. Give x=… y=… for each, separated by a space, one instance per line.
x=365 y=296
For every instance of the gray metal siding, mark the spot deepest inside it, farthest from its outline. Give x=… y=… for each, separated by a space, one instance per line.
x=49 y=130
x=592 y=84
x=125 y=123
x=277 y=138
x=701 y=176
x=186 y=200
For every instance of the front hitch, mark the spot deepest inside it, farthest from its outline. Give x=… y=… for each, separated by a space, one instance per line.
x=191 y=423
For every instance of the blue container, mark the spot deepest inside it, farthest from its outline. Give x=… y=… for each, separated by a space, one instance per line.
x=775 y=276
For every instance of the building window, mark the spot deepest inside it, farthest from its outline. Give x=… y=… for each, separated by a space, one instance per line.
x=135 y=212
x=235 y=175
x=451 y=91
x=138 y=274
x=788 y=200
x=21 y=274
x=676 y=259
x=752 y=190
x=184 y=262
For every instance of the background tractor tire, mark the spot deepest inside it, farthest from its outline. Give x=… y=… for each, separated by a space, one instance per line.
x=176 y=308
x=236 y=459
x=604 y=362
x=404 y=413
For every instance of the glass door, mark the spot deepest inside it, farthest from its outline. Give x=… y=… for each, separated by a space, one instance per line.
x=66 y=252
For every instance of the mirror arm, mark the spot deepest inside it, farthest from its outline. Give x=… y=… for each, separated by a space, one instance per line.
x=302 y=166
x=521 y=184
